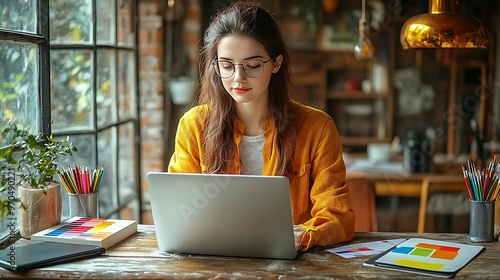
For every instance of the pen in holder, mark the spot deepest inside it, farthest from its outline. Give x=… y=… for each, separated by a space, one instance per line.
x=483 y=187
x=83 y=205
x=482 y=220
x=82 y=186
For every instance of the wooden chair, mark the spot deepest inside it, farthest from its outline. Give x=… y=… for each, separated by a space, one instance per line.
x=362 y=196
x=434 y=184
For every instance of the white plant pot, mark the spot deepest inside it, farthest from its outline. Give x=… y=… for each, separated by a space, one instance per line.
x=39 y=210
x=181 y=91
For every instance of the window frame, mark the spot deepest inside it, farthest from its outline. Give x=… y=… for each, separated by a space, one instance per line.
x=43 y=41
x=44 y=121
x=94 y=46
x=40 y=38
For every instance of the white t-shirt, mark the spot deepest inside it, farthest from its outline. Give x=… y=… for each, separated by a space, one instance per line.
x=251 y=154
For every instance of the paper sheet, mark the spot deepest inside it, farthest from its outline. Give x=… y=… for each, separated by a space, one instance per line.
x=365 y=248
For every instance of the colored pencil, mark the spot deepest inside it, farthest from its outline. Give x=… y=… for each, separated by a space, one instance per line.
x=79 y=180
x=482 y=184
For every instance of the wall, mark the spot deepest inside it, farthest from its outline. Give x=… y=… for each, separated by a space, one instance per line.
x=158 y=116
x=151 y=64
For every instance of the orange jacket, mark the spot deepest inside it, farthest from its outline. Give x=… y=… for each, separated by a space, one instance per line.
x=319 y=193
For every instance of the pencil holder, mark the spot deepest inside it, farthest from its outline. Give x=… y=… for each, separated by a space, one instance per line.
x=83 y=205
x=482 y=221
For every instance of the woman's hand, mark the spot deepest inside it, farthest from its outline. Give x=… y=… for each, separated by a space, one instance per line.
x=298 y=232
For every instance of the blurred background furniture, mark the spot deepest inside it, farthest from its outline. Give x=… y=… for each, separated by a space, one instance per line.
x=363 y=204
x=438 y=186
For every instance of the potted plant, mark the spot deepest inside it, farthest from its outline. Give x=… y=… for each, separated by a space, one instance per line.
x=181 y=90
x=30 y=162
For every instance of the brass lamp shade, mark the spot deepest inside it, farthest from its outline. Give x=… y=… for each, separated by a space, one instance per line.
x=443 y=28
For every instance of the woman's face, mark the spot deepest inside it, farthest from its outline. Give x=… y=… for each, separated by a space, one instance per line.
x=242 y=87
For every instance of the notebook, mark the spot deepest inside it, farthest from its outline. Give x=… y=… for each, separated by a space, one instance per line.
x=226 y=215
x=40 y=254
x=102 y=232
x=426 y=257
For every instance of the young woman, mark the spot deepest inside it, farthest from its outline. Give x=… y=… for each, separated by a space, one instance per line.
x=246 y=123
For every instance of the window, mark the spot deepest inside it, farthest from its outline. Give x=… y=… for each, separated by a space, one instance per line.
x=80 y=80
x=94 y=94
x=23 y=56
x=24 y=87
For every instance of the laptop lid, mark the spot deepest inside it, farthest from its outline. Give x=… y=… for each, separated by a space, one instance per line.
x=227 y=215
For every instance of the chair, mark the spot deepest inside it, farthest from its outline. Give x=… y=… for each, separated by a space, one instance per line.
x=362 y=196
x=434 y=184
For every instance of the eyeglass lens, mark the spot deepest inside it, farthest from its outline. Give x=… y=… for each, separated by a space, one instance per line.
x=252 y=68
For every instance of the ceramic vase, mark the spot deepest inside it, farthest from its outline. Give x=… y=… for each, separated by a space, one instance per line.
x=182 y=91
x=39 y=209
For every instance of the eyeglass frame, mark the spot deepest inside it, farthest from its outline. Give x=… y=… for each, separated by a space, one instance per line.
x=215 y=64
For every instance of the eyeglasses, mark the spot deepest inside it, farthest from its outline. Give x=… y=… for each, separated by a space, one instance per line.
x=252 y=68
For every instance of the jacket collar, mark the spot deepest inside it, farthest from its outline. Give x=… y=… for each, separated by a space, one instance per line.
x=239 y=127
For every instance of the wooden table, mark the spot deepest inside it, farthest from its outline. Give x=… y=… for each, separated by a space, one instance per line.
x=393 y=184
x=396 y=185
x=137 y=257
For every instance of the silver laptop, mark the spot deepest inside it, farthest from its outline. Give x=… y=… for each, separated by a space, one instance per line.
x=226 y=215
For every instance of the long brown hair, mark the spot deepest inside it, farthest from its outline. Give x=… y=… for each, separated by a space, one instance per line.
x=244 y=19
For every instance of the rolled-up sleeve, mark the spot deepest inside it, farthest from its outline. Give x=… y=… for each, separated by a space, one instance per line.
x=332 y=220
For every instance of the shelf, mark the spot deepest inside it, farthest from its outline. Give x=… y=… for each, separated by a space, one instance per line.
x=343 y=64
x=362 y=141
x=308 y=78
x=362 y=116
x=335 y=94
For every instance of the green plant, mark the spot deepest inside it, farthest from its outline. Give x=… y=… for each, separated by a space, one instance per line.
x=33 y=159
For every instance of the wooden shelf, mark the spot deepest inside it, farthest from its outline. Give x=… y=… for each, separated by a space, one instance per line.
x=362 y=141
x=335 y=94
x=311 y=78
x=343 y=63
x=359 y=130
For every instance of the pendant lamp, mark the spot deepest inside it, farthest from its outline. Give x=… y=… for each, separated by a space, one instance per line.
x=363 y=49
x=443 y=27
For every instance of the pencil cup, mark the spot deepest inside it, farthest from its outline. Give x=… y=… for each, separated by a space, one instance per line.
x=83 y=205
x=482 y=221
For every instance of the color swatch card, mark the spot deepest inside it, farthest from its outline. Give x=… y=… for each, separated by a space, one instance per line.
x=365 y=248
x=428 y=257
x=101 y=232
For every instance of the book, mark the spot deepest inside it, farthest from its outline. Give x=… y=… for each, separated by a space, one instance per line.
x=426 y=257
x=100 y=232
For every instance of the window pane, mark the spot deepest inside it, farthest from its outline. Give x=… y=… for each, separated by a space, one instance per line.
x=126 y=85
x=106 y=22
x=129 y=212
x=19 y=15
x=106 y=156
x=70 y=21
x=127 y=160
x=106 y=85
x=71 y=84
x=19 y=85
x=125 y=23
